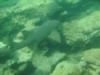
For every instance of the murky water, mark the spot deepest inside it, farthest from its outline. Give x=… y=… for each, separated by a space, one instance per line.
x=49 y=37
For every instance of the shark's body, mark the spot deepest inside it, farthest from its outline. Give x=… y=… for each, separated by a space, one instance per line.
x=39 y=33
x=34 y=37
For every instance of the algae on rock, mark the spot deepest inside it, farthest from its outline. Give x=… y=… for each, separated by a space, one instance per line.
x=80 y=32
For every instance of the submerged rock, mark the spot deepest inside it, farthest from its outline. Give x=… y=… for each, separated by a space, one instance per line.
x=67 y=68
x=81 y=31
x=47 y=63
x=92 y=56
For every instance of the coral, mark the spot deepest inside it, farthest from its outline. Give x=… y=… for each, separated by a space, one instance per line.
x=36 y=36
x=4 y=70
x=46 y=62
x=81 y=31
x=67 y=68
x=23 y=55
x=92 y=56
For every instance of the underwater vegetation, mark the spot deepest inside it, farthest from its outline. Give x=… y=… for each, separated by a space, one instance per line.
x=49 y=37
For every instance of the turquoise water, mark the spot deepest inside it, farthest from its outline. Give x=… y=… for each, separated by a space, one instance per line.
x=49 y=37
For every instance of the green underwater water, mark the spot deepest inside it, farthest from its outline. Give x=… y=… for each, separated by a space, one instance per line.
x=7 y=3
x=49 y=37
